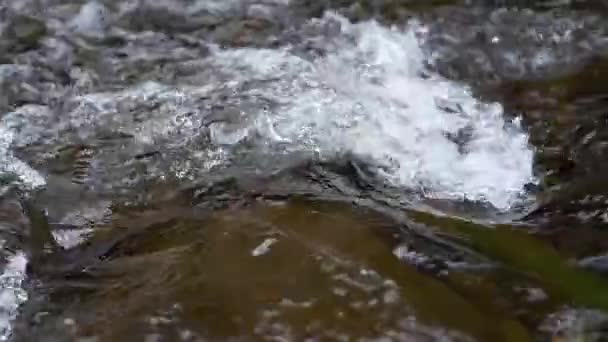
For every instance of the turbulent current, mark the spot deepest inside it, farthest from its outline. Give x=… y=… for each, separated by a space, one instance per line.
x=366 y=90
x=370 y=94
x=107 y=106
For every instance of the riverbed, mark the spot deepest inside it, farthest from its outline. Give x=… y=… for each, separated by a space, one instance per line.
x=295 y=170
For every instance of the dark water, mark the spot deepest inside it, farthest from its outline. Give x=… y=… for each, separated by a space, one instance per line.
x=303 y=170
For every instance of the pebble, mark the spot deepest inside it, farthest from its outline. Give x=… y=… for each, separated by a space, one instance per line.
x=264 y=247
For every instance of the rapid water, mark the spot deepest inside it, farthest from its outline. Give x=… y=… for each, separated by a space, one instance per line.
x=12 y=293
x=370 y=94
x=365 y=91
x=107 y=110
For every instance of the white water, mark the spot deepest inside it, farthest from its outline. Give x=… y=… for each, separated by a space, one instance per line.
x=367 y=96
x=12 y=293
x=93 y=19
x=29 y=177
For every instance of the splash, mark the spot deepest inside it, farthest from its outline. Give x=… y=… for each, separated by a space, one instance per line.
x=360 y=89
x=12 y=127
x=12 y=293
x=367 y=91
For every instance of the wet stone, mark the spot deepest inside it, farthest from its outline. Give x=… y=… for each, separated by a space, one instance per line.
x=22 y=33
x=576 y=325
x=347 y=281
x=532 y=294
x=163 y=127
x=178 y=15
x=595 y=263
x=16 y=86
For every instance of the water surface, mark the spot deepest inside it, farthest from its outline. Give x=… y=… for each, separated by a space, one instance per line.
x=303 y=170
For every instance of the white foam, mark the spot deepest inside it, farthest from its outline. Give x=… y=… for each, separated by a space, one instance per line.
x=216 y=7
x=8 y=162
x=71 y=238
x=92 y=19
x=367 y=96
x=12 y=294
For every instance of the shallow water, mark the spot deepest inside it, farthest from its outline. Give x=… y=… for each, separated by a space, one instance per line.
x=301 y=170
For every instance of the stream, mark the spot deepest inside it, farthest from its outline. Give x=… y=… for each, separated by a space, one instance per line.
x=303 y=170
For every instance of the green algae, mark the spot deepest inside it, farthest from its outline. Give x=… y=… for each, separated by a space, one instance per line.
x=522 y=252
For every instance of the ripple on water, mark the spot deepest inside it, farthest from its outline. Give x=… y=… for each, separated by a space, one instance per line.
x=359 y=89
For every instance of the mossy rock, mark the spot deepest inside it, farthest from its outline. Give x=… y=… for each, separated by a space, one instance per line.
x=23 y=33
x=8 y=178
x=521 y=252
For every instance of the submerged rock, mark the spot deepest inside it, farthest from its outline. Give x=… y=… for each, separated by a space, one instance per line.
x=332 y=273
x=250 y=105
x=596 y=263
x=576 y=325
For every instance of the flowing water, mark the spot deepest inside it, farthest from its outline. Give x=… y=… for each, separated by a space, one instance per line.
x=294 y=170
